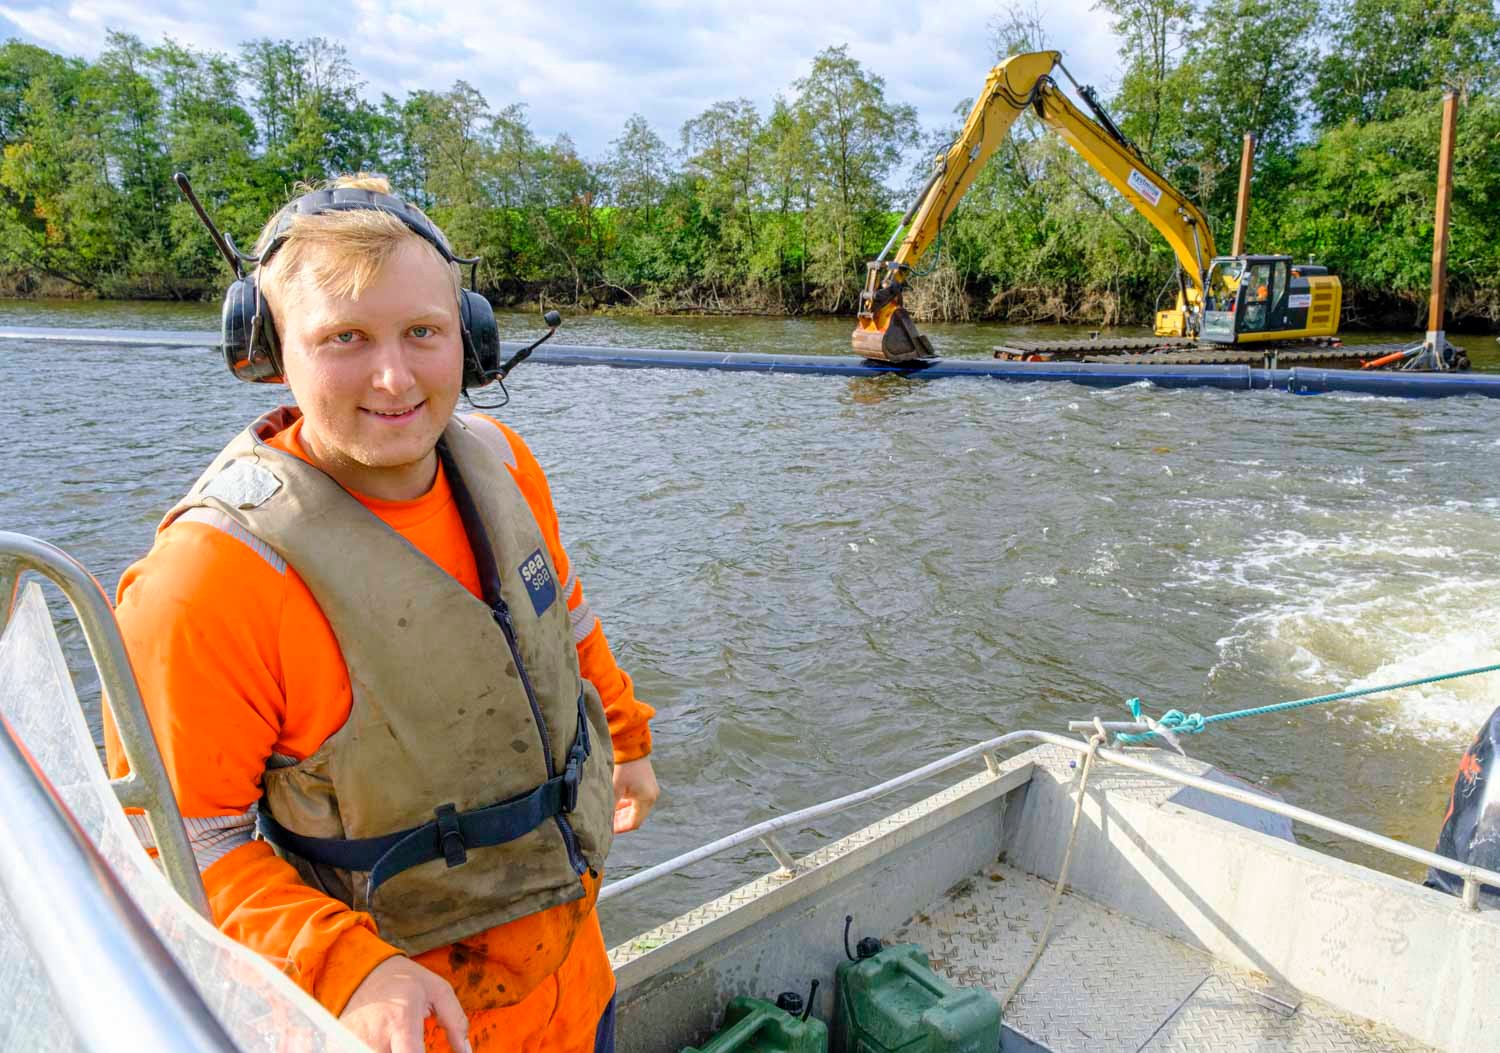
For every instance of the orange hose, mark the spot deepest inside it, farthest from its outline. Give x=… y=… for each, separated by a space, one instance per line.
x=1384 y=360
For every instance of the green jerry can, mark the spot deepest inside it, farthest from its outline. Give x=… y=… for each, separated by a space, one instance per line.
x=753 y=1025
x=890 y=1000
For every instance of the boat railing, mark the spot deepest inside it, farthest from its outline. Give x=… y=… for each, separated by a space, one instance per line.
x=147 y=786
x=1474 y=877
x=107 y=967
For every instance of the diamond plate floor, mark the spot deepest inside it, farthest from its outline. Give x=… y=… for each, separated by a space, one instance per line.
x=1107 y=984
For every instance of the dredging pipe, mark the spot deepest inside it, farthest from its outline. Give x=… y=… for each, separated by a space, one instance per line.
x=1301 y=381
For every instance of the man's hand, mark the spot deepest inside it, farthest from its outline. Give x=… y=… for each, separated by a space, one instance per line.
x=387 y=1010
x=635 y=793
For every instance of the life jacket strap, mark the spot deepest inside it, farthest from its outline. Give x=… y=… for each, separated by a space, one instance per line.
x=449 y=835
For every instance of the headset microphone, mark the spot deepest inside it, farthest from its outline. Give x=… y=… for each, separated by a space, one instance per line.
x=553 y=320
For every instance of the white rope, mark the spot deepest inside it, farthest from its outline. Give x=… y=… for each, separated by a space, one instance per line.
x=1099 y=737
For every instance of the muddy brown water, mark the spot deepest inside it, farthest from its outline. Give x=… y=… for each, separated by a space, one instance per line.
x=822 y=582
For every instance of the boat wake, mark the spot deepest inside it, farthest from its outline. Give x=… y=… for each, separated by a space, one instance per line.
x=1391 y=598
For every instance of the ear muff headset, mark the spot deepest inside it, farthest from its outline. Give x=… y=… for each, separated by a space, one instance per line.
x=252 y=349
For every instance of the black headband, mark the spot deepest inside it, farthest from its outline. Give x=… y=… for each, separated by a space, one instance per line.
x=352 y=199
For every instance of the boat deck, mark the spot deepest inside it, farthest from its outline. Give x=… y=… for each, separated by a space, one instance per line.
x=1192 y=921
x=1108 y=983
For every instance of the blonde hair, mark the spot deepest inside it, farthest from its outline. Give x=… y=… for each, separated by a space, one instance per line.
x=342 y=252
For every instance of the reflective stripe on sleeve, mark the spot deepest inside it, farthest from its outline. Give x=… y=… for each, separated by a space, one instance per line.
x=211 y=838
x=219 y=521
x=583 y=620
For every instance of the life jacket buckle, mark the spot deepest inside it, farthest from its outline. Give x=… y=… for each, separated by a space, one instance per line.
x=450 y=836
x=572 y=776
x=577 y=754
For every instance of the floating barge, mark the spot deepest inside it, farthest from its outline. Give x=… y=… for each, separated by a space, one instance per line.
x=1186 y=351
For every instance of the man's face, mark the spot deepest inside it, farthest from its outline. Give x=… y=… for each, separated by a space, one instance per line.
x=378 y=377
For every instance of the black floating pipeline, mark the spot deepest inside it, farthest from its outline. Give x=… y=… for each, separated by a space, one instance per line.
x=1300 y=381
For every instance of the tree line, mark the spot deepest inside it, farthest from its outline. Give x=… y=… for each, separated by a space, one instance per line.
x=775 y=210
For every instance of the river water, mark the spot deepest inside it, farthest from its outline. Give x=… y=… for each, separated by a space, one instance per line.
x=822 y=582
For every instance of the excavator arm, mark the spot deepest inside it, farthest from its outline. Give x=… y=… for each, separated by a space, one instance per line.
x=885 y=331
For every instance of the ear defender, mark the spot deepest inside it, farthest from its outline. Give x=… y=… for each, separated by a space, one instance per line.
x=481 y=339
x=248 y=338
x=251 y=348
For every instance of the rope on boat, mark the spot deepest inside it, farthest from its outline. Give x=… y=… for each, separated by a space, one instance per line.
x=1098 y=739
x=1175 y=722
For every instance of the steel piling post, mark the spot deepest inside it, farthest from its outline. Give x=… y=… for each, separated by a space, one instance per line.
x=1436 y=308
x=1242 y=202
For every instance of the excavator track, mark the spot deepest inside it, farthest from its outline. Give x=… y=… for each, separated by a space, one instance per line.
x=1022 y=349
x=1276 y=358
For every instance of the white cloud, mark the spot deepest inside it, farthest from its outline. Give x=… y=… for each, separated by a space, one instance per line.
x=583 y=68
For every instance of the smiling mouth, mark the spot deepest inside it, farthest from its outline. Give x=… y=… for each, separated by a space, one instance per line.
x=395 y=414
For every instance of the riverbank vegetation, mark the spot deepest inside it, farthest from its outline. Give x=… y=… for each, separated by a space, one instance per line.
x=775 y=209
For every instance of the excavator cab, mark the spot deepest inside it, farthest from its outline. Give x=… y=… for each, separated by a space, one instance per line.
x=1253 y=299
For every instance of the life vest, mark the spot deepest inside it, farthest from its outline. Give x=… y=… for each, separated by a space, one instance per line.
x=472 y=781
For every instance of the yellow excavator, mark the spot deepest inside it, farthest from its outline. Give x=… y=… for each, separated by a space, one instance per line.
x=1230 y=300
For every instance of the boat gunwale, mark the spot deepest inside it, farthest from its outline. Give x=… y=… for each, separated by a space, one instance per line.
x=1473 y=876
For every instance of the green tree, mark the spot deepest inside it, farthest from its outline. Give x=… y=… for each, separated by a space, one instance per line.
x=638 y=173
x=1364 y=205
x=788 y=178
x=312 y=123
x=856 y=138
x=208 y=134
x=566 y=220
x=59 y=208
x=1381 y=51
x=449 y=132
x=721 y=158
x=639 y=167
x=22 y=65
x=1155 y=87
x=1249 y=60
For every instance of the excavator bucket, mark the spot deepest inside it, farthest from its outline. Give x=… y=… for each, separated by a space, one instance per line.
x=899 y=341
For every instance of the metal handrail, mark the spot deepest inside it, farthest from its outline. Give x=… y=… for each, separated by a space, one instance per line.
x=1473 y=876
x=113 y=977
x=147 y=786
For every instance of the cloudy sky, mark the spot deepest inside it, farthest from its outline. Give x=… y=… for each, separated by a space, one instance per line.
x=583 y=68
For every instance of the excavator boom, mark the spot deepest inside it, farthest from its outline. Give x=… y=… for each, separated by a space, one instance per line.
x=885 y=331
x=1115 y=158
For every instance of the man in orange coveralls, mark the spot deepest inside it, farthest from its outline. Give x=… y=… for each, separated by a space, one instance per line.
x=338 y=633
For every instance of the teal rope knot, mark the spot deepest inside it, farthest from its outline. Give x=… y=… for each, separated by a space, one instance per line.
x=1176 y=722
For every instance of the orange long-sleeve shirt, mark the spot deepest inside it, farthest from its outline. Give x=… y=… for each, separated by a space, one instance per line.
x=236 y=662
